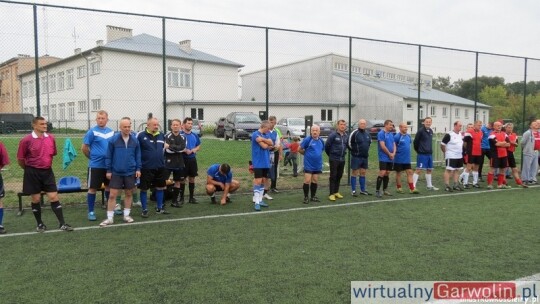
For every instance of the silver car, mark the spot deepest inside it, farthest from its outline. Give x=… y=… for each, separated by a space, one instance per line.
x=292 y=126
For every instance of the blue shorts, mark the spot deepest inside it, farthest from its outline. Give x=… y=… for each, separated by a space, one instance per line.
x=359 y=163
x=424 y=161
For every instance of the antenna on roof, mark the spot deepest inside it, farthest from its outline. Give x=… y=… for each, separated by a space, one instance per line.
x=75 y=36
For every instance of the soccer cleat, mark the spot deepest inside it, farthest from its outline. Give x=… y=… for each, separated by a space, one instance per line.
x=400 y=190
x=489 y=187
x=268 y=197
x=41 y=228
x=274 y=190
x=193 y=200
x=387 y=193
x=504 y=187
x=378 y=194
x=338 y=195
x=257 y=207
x=315 y=199
x=448 y=189
x=263 y=204
x=162 y=211
x=415 y=191
x=364 y=192
x=213 y=200
x=306 y=200
x=118 y=210
x=228 y=200
x=467 y=186
x=476 y=186
x=66 y=227
x=137 y=204
x=332 y=197
x=433 y=188
x=2 y=230
x=91 y=216
x=128 y=219
x=354 y=194
x=144 y=213
x=106 y=222
x=458 y=188
x=176 y=205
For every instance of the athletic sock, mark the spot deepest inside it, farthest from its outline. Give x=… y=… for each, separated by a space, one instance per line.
x=313 y=188
x=386 y=179
x=110 y=215
x=411 y=186
x=191 y=189
x=363 y=183
x=475 y=177
x=144 y=199
x=428 y=180
x=379 y=182
x=91 y=201
x=415 y=178
x=159 y=198
x=353 y=183
x=465 y=178
x=57 y=209
x=256 y=194
x=490 y=179
x=36 y=210
x=176 y=192
x=500 y=180
x=107 y=195
x=127 y=211
x=182 y=190
x=1 y=216
x=305 y=187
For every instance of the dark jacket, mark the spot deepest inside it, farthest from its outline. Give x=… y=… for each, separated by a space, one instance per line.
x=152 y=147
x=359 y=143
x=173 y=154
x=423 y=141
x=122 y=159
x=336 y=146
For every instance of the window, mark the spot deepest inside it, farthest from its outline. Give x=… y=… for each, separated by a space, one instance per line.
x=341 y=66
x=61 y=79
x=53 y=112
x=368 y=71
x=433 y=111
x=410 y=106
x=444 y=112
x=25 y=89
x=69 y=79
x=326 y=115
x=82 y=106
x=466 y=112
x=52 y=83
x=177 y=77
x=31 y=88
x=62 y=111
x=71 y=111
x=44 y=110
x=484 y=118
x=409 y=122
x=95 y=67
x=356 y=69
x=197 y=113
x=456 y=112
x=43 y=84
x=391 y=76
x=81 y=71
x=96 y=104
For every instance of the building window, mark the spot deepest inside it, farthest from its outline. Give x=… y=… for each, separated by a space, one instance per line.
x=62 y=111
x=96 y=105
x=179 y=78
x=95 y=67
x=326 y=115
x=82 y=106
x=444 y=112
x=53 y=112
x=197 y=113
x=466 y=112
x=61 y=80
x=31 y=88
x=456 y=112
x=52 y=83
x=44 y=110
x=341 y=66
x=69 y=79
x=484 y=116
x=356 y=69
x=44 y=85
x=81 y=71
x=409 y=122
x=410 y=106
x=25 y=89
x=433 y=111
x=71 y=111
x=368 y=71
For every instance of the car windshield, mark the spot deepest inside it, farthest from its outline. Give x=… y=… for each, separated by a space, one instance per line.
x=248 y=118
x=296 y=122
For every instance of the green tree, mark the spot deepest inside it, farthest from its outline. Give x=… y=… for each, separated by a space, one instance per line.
x=466 y=88
x=443 y=84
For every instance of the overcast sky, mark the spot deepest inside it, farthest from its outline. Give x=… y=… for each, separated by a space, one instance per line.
x=495 y=26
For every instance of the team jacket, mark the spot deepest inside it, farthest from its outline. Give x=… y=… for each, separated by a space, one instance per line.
x=336 y=146
x=173 y=154
x=123 y=159
x=359 y=142
x=423 y=141
x=152 y=147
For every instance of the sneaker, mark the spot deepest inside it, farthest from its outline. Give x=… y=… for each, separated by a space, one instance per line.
x=263 y=204
x=137 y=204
x=378 y=194
x=193 y=201
x=144 y=213
x=268 y=197
x=41 y=228
x=162 y=211
x=354 y=194
x=458 y=188
x=228 y=200
x=91 y=216
x=338 y=195
x=176 y=205
x=274 y=190
x=106 y=222
x=2 y=230
x=118 y=210
x=66 y=227
x=257 y=207
x=315 y=199
x=306 y=200
x=332 y=197
x=400 y=190
x=213 y=200
x=504 y=187
x=467 y=186
x=387 y=193
x=415 y=191
x=433 y=188
x=364 y=192
x=128 y=219
x=489 y=187
x=476 y=186
x=448 y=189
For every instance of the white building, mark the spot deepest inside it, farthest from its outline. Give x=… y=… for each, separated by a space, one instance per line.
x=378 y=92
x=126 y=79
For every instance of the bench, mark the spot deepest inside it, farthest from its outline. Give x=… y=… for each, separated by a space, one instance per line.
x=20 y=196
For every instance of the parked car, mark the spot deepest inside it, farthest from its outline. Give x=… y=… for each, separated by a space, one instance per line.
x=240 y=125
x=373 y=126
x=219 y=131
x=18 y=122
x=292 y=126
x=197 y=127
x=327 y=127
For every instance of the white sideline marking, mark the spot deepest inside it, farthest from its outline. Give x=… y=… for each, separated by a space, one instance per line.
x=254 y=213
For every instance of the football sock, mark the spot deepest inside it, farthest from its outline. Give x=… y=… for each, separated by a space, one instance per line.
x=1 y=215
x=363 y=183
x=313 y=188
x=107 y=195
x=36 y=210
x=411 y=186
x=379 y=182
x=428 y=180
x=191 y=189
x=57 y=209
x=110 y=215
x=415 y=178
x=127 y=211
x=91 y=200
x=386 y=178
x=353 y=183
x=306 y=190
x=144 y=199
x=159 y=198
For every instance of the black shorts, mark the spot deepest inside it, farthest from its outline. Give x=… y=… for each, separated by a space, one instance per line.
x=178 y=174
x=190 y=167
x=218 y=188
x=511 y=160
x=402 y=167
x=2 y=191
x=261 y=172
x=499 y=162
x=454 y=163
x=386 y=166
x=151 y=178
x=97 y=177
x=312 y=172
x=37 y=180
x=475 y=159
x=122 y=182
x=358 y=162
